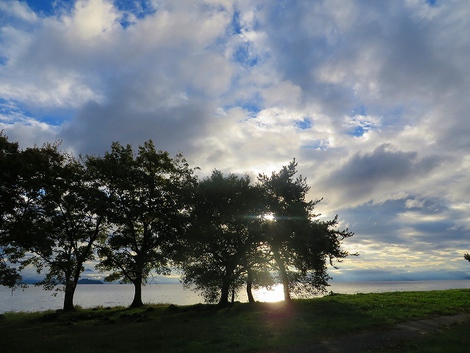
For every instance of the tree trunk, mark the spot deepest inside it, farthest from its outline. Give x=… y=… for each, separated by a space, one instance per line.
x=283 y=273
x=70 y=287
x=137 y=302
x=224 y=293
x=249 y=284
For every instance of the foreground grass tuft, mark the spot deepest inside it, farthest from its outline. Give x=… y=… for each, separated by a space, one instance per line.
x=207 y=328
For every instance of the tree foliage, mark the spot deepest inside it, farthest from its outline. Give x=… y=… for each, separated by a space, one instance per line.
x=146 y=205
x=301 y=244
x=223 y=243
x=9 y=197
x=55 y=219
x=242 y=232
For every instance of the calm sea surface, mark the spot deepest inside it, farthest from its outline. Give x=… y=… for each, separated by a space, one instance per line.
x=36 y=299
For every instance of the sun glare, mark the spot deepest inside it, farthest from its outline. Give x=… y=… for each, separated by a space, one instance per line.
x=268 y=217
x=276 y=294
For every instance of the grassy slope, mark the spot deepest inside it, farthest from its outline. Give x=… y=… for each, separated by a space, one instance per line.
x=204 y=328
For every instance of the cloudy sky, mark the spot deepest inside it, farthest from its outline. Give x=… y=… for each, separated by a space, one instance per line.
x=370 y=97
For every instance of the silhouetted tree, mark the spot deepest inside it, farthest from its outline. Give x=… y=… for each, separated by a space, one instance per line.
x=223 y=244
x=55 y=217
x=10 y=191
x=301 y=245
x=147 y=206
x=467 y=257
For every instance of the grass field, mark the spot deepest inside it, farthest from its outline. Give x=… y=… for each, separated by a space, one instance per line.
x=243 y=328
x=454 y=339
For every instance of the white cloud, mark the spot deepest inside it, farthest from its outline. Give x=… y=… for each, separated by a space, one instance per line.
x=17 y=10
x=29 y=131
x=91 y=20
x=370 y=98
x=413 y=203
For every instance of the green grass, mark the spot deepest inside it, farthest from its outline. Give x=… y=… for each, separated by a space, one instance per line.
x=454 y=339
x=206 y=328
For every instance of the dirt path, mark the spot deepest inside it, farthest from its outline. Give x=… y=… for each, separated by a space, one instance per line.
x=371 y=341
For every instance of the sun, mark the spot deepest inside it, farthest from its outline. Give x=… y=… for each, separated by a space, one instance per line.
x=275 y=294
x=268 y=217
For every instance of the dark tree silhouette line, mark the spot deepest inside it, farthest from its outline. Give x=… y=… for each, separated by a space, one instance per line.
x=139 y=212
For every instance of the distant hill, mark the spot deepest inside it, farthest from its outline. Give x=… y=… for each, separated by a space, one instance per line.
x=81 y=281
x=31 y=280
x=89 y=281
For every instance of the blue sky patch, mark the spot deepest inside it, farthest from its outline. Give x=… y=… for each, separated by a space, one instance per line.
x=49 y=8
x=243 y=55
x=360 y=128
x=358 y=131
x=140 y=9
x=42 y=7
x=8 y=108
x=304 y=124
x=252 y=106
x=14 y=111
x=236 y=25
x=52 y=120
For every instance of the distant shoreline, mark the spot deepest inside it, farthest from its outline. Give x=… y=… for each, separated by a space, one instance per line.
x=89 y=281
x=35 y=298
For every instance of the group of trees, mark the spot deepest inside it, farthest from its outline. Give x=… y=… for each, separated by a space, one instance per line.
x=134 y=213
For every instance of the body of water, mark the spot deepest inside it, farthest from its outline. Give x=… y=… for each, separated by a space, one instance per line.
x=92 y=295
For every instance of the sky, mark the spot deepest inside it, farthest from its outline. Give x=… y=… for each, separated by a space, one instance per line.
x=370 y=97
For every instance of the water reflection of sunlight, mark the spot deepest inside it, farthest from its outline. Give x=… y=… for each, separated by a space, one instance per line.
x=276 y=294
